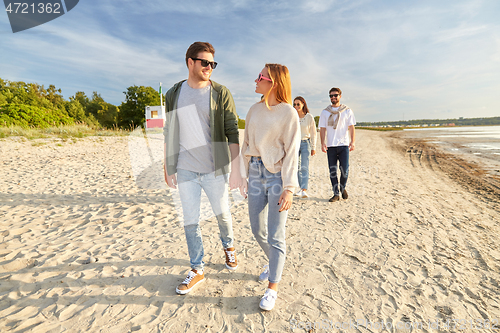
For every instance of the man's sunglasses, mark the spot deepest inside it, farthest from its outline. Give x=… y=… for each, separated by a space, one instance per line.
x=262 y=77
x=334 y=95
x=205 y=63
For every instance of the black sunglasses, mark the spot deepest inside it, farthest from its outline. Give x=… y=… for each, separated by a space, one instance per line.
x=205 y=63
x=334 y=95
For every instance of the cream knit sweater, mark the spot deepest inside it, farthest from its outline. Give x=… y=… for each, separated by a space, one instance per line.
x=274 y=135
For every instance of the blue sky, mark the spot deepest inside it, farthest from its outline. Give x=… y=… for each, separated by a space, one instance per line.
x=392 y=59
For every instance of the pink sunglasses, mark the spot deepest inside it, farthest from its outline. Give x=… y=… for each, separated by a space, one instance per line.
x=262 y=77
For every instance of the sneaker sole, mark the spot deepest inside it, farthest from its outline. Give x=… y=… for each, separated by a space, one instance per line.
x=231 y=268
x=266 y=308
x=184 y=292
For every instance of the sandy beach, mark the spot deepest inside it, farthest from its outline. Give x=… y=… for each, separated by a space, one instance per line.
x=92 y=241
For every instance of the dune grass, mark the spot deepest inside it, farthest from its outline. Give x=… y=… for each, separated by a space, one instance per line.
x=63 y=132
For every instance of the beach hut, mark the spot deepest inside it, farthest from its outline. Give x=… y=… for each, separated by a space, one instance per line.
x=155 y=116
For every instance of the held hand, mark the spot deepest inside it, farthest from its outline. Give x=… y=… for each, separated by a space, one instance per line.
x=244 y=189
x=324 y=148
x=351 y=146
x=170 y=180
x=313 y=152
x=235 y=180
x=286 y=199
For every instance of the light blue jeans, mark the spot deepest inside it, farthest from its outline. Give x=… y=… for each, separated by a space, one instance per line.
x=268 y=224
x=216 y=188
x=304 y=155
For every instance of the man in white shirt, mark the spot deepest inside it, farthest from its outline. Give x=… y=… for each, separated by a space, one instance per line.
x=337 y=134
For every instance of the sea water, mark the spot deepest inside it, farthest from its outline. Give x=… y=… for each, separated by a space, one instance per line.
x=478 y=140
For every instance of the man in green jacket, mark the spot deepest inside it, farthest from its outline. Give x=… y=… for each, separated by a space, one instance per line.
x=201 y=139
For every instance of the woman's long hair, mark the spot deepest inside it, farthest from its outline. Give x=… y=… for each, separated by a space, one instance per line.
x=280 y=77
x=304 y=108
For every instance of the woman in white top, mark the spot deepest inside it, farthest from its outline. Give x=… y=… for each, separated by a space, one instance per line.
x=270 y=149
x=307 y=143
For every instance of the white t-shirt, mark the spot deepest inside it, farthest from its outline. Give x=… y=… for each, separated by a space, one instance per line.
x=340 y=136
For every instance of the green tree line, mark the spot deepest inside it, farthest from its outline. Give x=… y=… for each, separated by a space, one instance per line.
x=456 y=121
x=33 y=105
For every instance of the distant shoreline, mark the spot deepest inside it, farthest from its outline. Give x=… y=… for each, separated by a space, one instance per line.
x=480 y=121
x=479 y=174
x=400 y=128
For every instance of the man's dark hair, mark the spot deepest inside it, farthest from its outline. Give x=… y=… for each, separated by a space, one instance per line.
x=197 y=47
x=337 y=90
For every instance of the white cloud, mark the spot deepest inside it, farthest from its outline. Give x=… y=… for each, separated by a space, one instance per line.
x=458 y=33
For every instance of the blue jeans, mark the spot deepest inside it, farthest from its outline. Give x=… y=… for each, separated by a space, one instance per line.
x=268 y=224
x=216 y=188
x=304 y=155
x=338 y=154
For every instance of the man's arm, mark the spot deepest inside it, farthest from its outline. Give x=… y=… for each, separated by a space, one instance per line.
x=171 y=180
x=322 y=130
x=322 y=135
x=352 y=135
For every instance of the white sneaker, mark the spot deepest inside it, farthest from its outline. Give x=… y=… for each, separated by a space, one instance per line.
x=268 y=300
x=265 y=274
x=304 y=194
x=298 y=193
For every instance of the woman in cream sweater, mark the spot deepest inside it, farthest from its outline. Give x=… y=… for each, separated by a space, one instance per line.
x=307 y=143
x=270 y=149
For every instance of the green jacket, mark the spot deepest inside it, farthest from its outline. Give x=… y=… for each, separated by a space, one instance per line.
x=223 y=125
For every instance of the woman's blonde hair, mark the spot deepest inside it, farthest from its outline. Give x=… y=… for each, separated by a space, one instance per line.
x=280 y=77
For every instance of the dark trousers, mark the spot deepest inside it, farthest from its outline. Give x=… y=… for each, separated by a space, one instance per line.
x=338 y=155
